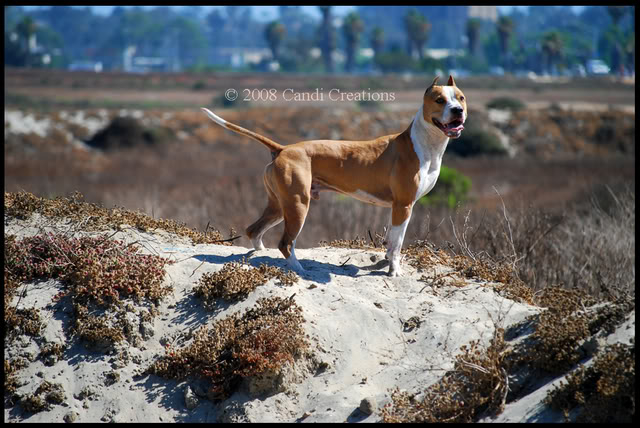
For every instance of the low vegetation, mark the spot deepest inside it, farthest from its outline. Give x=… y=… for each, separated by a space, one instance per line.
x=506 y=103
x=97 y=277
x=476 y=386
x=451 y=189
x=96 y=218
x=236 y=280
x=259 y=342
x=126 y=132
x=562 y=337
x=478 y=138
x=603 y=392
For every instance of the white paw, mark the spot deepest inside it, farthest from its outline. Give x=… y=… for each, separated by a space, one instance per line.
x=394 y=264
x=258 y=245
x=395 y=272
x=295 y=265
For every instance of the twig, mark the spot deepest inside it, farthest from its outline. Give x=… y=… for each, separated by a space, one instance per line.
x=194 y=271
x=513 y=247
x=227 y=240
x=475 y=366
x=506 y=387
x=553 y=226
x=435 y=278
x=372 y=241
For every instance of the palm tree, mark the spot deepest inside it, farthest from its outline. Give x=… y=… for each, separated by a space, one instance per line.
x=630 y=51
x=616 y=13
x=352 y=28
x=617 y=60
x=418 y=29
x=553 y=48
x=26 y=30
x=377 y=40
x=274 y=33
x=505 y=29
x=328 y=38
x=473 y=34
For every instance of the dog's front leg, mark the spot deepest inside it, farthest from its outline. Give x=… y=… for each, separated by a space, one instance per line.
x=400 y=216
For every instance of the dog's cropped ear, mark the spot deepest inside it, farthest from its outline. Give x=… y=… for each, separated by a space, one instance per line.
x=432 y=85
x=451 y=82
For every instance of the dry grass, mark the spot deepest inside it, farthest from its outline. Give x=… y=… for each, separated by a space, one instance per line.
x=236 y=280
x=259 y=342
x=97 y=274
x=476 y=386
x=96 y=218
x=604 y=392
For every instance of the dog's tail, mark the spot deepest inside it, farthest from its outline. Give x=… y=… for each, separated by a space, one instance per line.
x=272 y=145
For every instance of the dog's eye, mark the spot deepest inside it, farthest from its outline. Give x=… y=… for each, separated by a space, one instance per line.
x=461 y=97
x=440 y=100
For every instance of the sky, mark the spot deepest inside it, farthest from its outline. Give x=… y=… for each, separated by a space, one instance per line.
x=267 y=13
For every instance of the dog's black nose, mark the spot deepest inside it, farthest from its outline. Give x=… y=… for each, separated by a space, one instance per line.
x=457 y=110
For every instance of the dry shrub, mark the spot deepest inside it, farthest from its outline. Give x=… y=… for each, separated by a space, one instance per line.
x=558 y=332
x=236 y=280
x=590 y=247
x=44 y=397
x=10 y=369
x=260 y=341
x=94 y=217
x=557 y=342
x=95 y=268
x=55 y=349
x=22 y=321
x=604 y=391
x=357 y=243
x=477 y=386
x=98 y=331
x=500 y=275
x=127 y=132
x=95 y=271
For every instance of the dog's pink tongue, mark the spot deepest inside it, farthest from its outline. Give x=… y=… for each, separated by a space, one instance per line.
x=456 y=129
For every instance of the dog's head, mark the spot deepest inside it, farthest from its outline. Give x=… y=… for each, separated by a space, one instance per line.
x=445 y=107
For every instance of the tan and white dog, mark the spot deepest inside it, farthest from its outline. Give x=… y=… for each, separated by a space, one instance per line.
x=390 y=171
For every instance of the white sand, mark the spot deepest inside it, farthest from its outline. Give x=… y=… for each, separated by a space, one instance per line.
x=354 y=321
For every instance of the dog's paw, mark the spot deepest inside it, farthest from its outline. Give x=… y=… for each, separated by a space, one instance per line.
x=257 y=244
x=295 y=266
x=394 y=273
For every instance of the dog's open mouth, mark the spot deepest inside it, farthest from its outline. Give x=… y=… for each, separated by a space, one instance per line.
x=452 y=129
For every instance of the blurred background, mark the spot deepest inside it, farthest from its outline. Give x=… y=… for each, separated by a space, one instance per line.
x=106 y=101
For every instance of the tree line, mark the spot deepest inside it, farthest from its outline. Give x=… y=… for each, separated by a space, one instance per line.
x=543 y=39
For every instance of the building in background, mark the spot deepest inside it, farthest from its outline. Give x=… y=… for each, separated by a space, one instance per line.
x=490 y=13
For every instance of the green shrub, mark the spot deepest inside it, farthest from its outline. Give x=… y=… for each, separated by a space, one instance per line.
x=506 y=103
x=222 y=101
x=394 y=61
x=199 y=85
x=452 y=187
x=128 y=132
x=477 y=138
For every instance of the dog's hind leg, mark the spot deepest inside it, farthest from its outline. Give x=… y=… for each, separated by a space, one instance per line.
x=294 y=218
x=271 y=217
